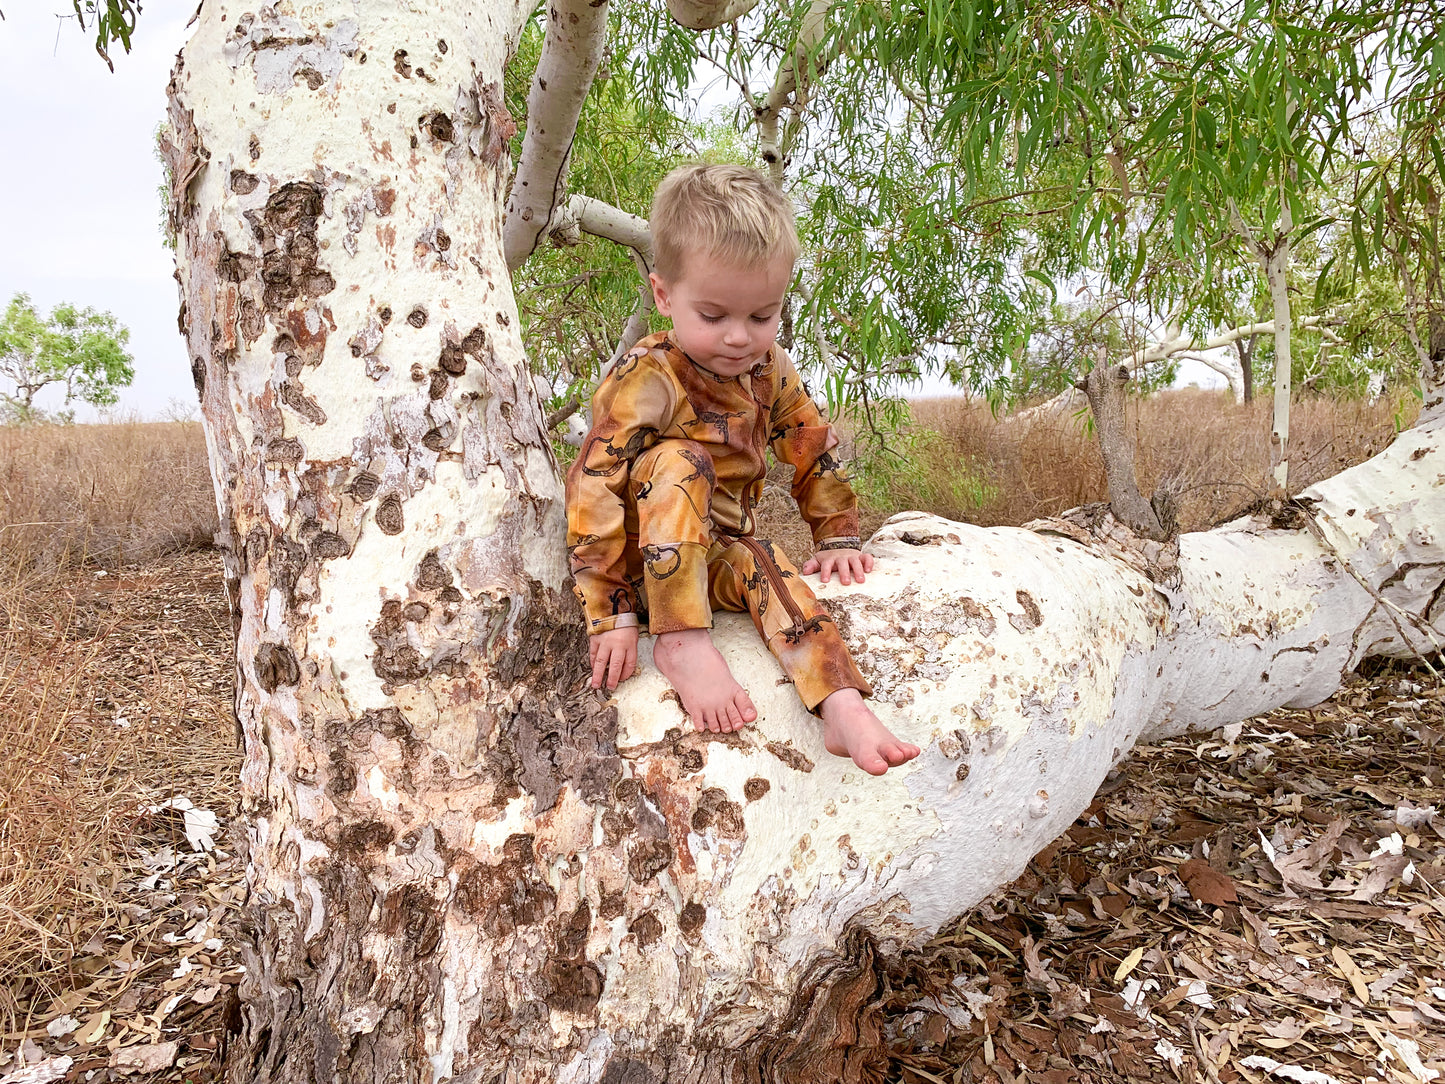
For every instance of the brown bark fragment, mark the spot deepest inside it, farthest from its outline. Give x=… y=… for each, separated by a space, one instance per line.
x=389 y=515
x=276 y=666
x=508 y=894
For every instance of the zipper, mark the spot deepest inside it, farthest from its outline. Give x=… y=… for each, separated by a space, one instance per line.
x=760 y=554
x=775 y=577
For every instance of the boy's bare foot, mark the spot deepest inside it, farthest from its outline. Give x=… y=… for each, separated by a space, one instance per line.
x=710 y=694
x=850 y=729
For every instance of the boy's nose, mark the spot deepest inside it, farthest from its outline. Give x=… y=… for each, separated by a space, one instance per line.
x=736 y=335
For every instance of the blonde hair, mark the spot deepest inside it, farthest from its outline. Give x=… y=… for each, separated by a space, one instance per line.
x=731 y=213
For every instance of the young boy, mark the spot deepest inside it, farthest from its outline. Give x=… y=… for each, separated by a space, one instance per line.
x=660 y=500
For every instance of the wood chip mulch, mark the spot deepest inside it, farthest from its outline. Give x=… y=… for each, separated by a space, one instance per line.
x=1262 y=904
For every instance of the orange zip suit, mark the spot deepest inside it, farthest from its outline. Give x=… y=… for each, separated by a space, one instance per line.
x=660 y=498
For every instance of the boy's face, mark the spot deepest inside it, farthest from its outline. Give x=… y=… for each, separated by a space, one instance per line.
x=724 y=316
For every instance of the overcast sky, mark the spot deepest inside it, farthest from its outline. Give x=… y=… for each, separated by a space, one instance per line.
x=79 y=213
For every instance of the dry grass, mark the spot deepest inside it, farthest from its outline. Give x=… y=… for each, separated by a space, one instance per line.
x=102 y=494
x=962 y=463
x=113 y=697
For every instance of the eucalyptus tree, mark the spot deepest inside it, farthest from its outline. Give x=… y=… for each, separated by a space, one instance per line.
x=463 y=863
x=1173 y=139
x=79 y=352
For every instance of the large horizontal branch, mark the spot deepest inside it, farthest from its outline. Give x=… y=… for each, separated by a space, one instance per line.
x=1026 y=663
x=571 y=50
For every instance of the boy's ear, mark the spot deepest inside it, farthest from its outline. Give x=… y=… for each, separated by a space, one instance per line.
x=661 y=294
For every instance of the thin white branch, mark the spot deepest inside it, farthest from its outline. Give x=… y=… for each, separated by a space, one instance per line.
x=1180 y=343
x=601 y=219
x=791 y=88
x=576 y=32
x=635 y=329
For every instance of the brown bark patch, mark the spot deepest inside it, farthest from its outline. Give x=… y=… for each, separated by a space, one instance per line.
x=287 y=452
x=438 y=126
x=646 y=927
x=646 y=858
x=1032 y=616
x=507 y=894
x=430 y=574
x=474 y=346
x=793 y=758
x=364 y=486
x=572 y=987
x=563 y=731
x=357 y=840
x=834 y=1031
x=328 y=545
x=755 y=788
x=389 y=515
x=289 y=267
x=716 y=810
x=413 y=910
x=628 y=1071
x=276 y=667
x=691 y=919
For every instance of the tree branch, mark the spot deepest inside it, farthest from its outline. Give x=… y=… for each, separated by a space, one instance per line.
x=707 y=14
x=791 y=88
x=601 y=219
x=571 y=50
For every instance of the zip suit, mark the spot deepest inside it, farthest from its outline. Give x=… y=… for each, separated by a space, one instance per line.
x=660 y=498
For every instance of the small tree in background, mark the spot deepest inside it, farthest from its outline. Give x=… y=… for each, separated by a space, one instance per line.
x=82 y=350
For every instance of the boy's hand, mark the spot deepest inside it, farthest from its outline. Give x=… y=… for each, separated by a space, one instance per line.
x=849 y=564
x=614 y=656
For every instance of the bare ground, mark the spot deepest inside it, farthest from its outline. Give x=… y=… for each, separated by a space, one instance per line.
x=1270 y=896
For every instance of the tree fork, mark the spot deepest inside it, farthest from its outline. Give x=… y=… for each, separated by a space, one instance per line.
x=1105 y=386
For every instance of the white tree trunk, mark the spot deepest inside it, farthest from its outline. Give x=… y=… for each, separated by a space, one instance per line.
x=1026 y=665
x=1230 y=369
x=459 y=867
x=1276 y=273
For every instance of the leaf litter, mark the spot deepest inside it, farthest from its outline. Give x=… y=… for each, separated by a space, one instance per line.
x=117 y=959
x=1260 y=905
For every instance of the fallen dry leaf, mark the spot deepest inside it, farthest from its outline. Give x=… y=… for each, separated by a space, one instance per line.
x=150 y=1058
x=1206 y=884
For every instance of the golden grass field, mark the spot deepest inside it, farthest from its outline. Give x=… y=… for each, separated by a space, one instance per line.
x=115 y=693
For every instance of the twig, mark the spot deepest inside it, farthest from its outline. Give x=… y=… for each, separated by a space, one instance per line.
x=563 y=412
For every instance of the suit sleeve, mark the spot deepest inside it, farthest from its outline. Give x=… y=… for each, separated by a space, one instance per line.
x=631 y=406
x=802 y=438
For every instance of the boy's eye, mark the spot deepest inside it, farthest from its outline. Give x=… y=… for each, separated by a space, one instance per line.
x=707 y=318
x=762 y=319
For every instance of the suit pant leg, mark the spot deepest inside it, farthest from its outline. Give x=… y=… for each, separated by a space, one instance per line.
x=671 y=487
x=754 y=575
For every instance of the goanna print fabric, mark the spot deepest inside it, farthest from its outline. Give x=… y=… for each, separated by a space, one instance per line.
x=655 y=392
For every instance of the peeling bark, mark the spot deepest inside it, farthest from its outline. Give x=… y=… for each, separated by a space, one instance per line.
x=462 y=863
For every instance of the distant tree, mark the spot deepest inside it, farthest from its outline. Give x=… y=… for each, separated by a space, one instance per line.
x=81 y=350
